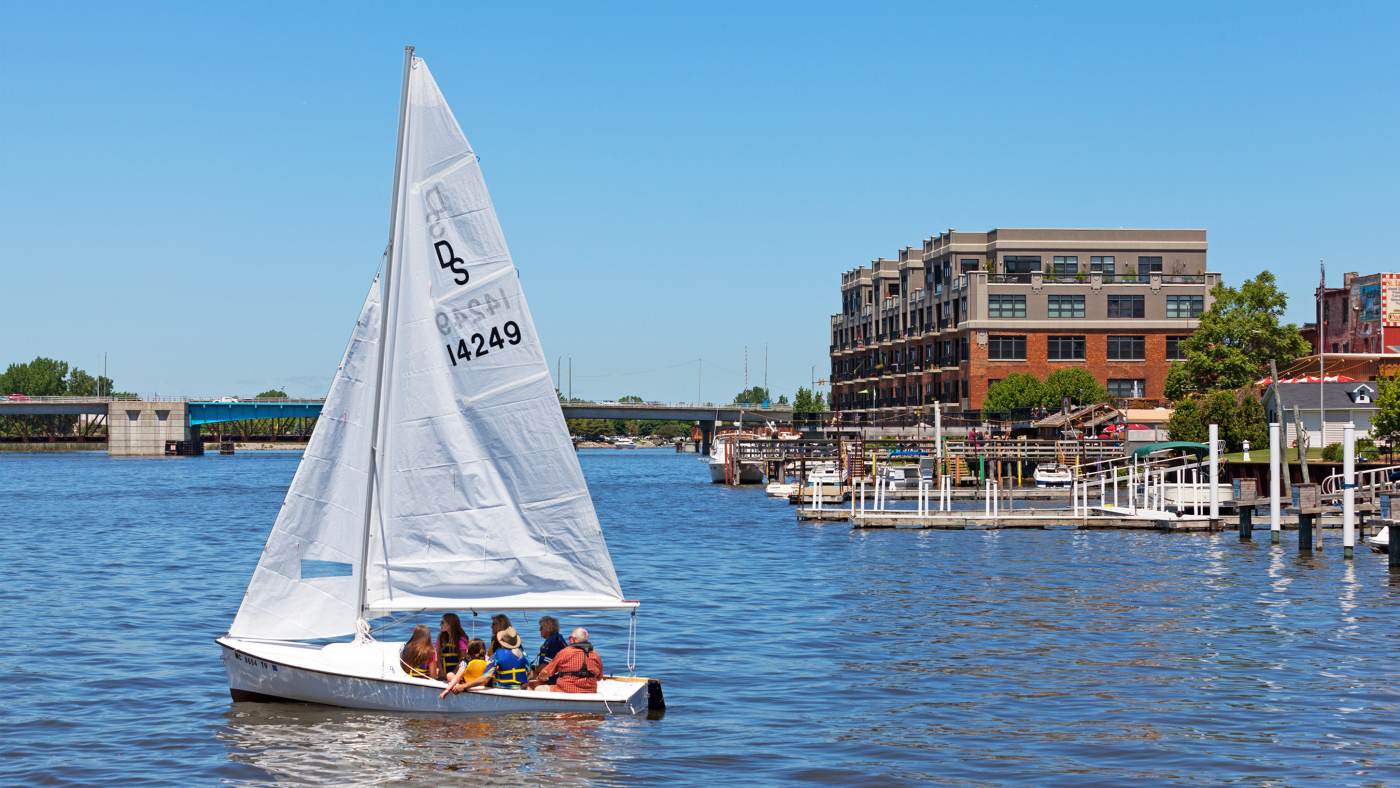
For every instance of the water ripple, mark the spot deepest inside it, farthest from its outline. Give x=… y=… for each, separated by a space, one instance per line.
x=790 y=653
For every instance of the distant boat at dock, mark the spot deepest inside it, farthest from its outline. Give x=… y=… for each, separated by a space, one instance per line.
x=1381 y=541
x=724 y=467
x=1053 y=475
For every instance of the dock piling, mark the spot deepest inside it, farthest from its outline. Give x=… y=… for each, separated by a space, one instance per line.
x=1348 y=489
x=1275 y=482
x=1246 y=522
x=1214 y=471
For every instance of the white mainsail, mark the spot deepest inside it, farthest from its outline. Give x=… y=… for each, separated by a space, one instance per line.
x=480 y=500
x=303 y=587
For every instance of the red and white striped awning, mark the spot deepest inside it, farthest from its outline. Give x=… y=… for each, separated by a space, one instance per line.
x=1307 y=379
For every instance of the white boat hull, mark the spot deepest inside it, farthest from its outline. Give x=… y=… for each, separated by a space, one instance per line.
x=367 y=676
x=1381 y=541
x=748 y=473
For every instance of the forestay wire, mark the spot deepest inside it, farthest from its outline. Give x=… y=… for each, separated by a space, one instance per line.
x=632 y=644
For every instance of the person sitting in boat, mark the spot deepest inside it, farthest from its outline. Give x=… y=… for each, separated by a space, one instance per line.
x=553 y=641
x=575 y=669
x=469 y=671
x=451 y=645
x=499 y=622
x=507 y=669
x=418 y=658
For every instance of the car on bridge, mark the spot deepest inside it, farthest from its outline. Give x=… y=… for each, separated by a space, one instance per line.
x=17 y=398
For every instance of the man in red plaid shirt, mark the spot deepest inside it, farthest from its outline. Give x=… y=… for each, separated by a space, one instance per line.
x=578 y=667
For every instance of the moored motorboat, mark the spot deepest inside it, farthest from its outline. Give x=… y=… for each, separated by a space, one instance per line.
x=1053 y=475
x=724 y=467
x=440 y=475
x=1380 y=542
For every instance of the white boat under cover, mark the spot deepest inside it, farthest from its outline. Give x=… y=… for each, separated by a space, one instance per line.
x=368 y=675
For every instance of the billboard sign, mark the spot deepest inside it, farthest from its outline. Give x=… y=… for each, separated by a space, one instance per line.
x=1370 y=303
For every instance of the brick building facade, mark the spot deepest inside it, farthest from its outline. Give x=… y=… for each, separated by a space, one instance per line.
x=943 y=322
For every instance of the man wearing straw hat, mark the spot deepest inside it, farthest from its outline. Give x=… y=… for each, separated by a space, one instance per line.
x=507 y=668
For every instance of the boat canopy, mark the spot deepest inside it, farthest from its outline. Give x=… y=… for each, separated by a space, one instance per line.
x=1199 y=449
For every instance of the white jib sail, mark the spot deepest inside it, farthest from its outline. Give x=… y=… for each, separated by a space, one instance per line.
x=303 y=587
x=481 y=502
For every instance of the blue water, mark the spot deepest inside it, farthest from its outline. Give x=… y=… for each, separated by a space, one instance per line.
x=789 y=652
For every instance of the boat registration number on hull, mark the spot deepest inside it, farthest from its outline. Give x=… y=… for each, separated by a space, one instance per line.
x=254 y=661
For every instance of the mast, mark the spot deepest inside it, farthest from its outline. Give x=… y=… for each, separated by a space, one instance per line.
x=361 y=628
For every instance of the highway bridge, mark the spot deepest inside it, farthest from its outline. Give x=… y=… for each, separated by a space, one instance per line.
x=143 y=426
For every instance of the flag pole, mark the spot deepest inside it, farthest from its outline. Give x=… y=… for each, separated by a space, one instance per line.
x=1321 y=366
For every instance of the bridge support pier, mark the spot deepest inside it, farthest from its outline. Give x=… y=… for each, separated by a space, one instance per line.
x=707 y=437
x=140 y=429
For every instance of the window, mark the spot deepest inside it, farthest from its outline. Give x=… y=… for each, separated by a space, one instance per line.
x=1185 y=305
x=1127 y=388
x=1102 y=264
x=1059 y=348
x=1006 y=348
x=1065 y=306
x=1066 y=266
x=969 y=264
x=1125 y=306
x=1001 y=305
x=1021 y=264
x=1126 y=348
x=1174 y=352
x=1149 y=265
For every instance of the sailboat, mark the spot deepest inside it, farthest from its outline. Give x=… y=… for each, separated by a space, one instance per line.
x=440 y=476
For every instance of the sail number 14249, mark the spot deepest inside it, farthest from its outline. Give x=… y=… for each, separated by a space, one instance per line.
x=481 y=344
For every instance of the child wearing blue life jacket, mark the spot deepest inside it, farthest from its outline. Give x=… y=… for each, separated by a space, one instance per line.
x=507 y=668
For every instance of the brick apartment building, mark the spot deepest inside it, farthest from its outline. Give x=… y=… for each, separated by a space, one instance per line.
x=942 y=323
x=1361 y=316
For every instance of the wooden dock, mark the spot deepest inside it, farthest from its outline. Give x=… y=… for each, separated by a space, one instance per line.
x=973 y=521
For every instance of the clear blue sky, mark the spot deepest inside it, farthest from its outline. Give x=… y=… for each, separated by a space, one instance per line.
x=202 y=191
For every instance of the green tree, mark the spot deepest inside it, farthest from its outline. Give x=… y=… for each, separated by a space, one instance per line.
x=804 y=401
x=1016 y=391
x=782 y=399
x=1185 y=423
x=1237 y=337
x=273 y=394
x=630 y=398
x=756 y=395
x=1077 y=384
x=670 y=430
x=1239 y=415
x=81 y=384
x=42 y=377
x=1385 y=424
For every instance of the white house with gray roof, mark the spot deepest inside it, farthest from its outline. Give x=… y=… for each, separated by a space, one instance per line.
x=1340 y=403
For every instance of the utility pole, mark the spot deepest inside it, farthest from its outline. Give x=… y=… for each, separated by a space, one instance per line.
x=765 y=367
x=104 y=373
x=746 y=367
x=699 y=376
x=571 y=378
